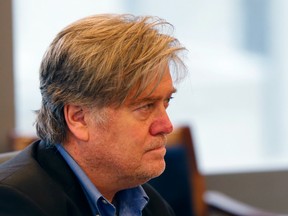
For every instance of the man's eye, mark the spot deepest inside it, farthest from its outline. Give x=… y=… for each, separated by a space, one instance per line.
x=147 y=107
x=167 y=101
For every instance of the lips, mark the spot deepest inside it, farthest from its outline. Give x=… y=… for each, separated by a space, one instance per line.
x=157 y=147
x=158 y=144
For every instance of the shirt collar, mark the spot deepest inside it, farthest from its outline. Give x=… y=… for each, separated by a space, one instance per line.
x=130 y=201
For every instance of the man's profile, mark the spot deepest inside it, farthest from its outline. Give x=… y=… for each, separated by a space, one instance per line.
x=106 y=82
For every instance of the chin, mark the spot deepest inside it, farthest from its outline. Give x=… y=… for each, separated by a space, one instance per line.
x=157 y=170
x=150 y=171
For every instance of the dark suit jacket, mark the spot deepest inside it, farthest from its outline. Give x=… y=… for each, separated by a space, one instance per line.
x=39 y=182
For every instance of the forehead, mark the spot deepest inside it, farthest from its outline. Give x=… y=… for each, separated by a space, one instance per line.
x=157 y=89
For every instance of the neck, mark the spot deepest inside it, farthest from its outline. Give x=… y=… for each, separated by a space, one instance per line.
x=105 y=182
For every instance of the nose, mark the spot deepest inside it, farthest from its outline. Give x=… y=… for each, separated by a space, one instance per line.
x=161 y=124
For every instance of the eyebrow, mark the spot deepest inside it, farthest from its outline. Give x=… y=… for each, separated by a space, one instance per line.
x=151 y=98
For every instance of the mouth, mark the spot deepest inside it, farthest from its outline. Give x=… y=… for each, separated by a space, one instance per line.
x=158 y=147
x=159 y=150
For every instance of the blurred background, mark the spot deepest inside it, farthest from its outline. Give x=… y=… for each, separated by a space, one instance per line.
x=235 y=98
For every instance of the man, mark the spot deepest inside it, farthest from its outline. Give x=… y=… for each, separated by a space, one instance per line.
x=105 y=82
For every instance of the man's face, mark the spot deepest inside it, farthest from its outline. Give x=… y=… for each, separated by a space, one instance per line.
x=131 y=144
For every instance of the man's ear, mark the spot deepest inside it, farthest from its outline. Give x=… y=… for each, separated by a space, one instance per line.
x=76 y=121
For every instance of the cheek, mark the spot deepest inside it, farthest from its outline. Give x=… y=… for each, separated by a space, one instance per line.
x=130 y=151
x=126 y=138
x=125 y=144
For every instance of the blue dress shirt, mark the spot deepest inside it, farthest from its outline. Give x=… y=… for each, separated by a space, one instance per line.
x=129 y=202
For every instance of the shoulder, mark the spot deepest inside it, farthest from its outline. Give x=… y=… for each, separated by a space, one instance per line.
x=24 y=183
x=27 y=167
x=156 y=205
x=18 y=167
x=38 y=180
